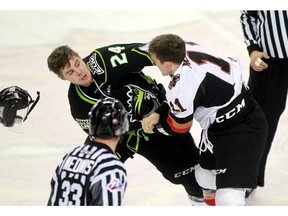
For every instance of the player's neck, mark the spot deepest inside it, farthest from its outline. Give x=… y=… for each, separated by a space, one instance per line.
x=111 y=142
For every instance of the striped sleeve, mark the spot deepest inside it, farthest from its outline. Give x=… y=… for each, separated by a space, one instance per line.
x=266 y=31
x=108 y=182
x=249 y=26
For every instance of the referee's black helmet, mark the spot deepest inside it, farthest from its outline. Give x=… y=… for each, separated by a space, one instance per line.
x=108 y=118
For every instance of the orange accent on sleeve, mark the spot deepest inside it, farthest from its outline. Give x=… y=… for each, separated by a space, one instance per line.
x=178 y=128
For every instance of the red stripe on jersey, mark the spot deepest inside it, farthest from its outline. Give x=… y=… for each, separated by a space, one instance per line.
x=178 y=128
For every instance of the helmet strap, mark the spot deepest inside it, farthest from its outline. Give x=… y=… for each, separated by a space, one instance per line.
x=33 y=104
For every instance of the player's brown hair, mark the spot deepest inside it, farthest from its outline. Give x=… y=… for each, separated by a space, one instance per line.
x=168 y=47
x=59 y=58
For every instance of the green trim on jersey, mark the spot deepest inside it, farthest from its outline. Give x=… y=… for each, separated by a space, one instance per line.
x=144 y=54
x=82 y=96
x=104 y=65
x=138 y=103
x=132 y=134
x=150 y=80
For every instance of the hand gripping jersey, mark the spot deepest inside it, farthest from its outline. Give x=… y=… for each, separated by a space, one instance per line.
x=117 y=73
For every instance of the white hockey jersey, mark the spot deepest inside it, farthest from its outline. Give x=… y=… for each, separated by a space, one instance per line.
x=203 y=84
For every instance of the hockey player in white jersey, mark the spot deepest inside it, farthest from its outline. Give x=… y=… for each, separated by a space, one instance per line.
x=211 y=90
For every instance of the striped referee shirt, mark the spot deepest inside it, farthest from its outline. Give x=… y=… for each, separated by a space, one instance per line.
x=266 y=31
x=90 y=174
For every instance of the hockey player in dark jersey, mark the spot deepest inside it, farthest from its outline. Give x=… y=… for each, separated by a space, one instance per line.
x=115 y=71
x=91 y=174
